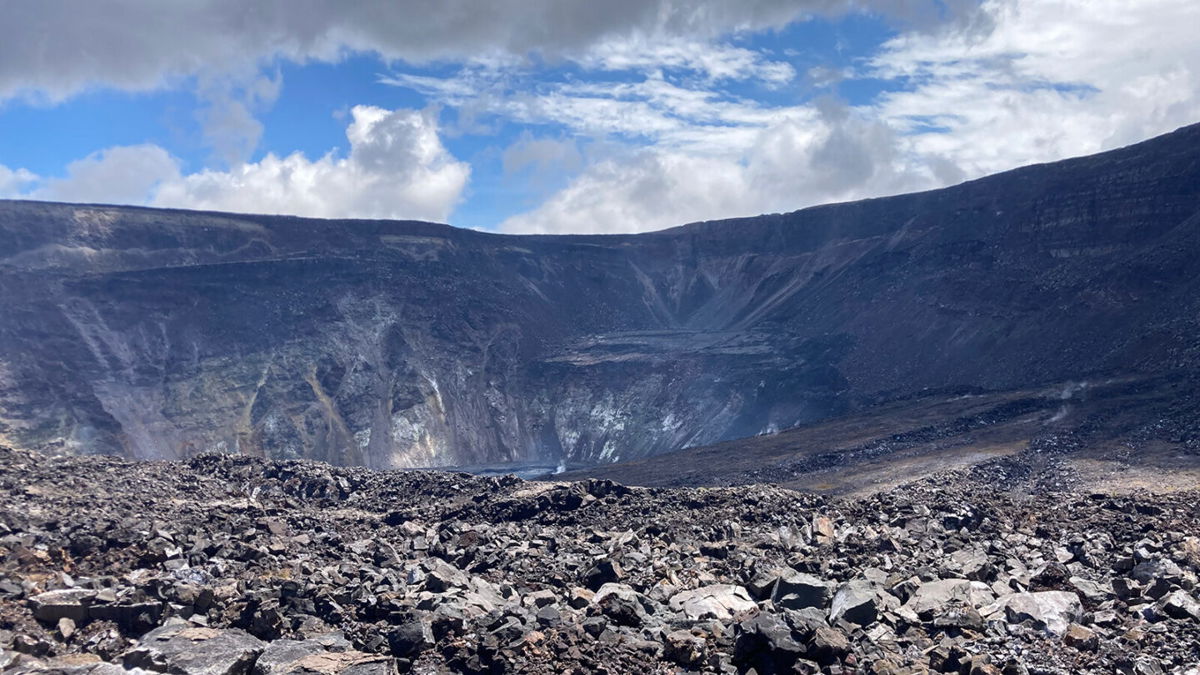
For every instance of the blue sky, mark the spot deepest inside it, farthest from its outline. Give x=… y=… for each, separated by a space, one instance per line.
x=542 y=116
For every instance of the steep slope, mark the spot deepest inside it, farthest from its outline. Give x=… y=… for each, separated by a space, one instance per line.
x=160 y=334
x=1113 y=435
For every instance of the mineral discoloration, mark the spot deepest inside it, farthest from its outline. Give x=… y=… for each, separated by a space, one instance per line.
x=162 y=334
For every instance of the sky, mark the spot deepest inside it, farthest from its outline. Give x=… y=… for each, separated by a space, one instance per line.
x=570 y=116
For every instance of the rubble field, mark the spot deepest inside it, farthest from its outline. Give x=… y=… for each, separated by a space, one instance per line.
x=230 y=564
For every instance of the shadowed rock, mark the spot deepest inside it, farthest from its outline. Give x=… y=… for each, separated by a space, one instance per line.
x=160 y=334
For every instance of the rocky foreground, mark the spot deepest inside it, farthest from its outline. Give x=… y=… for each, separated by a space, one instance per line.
x=229 y=564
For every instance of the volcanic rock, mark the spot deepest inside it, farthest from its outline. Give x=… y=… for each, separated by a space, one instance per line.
x=1180 y=605
x=178 y=647
x=71 y=603
x=622 y=605
x=684 y=648
x=929 y=598
x=857 y=601
x=405 y=344
x=797 y=590
x=490 y=592
x=1052 y=611
x=719 y=601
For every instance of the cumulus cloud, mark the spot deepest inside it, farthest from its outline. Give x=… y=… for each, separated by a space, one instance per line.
x=397 y=167
x=973 y=87
x=123 y=175
x=826 y=153
x=650 y=190
x=1041 y=81
x=13 y=182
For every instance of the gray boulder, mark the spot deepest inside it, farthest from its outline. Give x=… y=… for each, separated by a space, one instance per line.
x=719 y=601
x=684 y=648
x=1052 y=611
x=482 y=596
x=70 y=603
x=928 y=599
x=1150 y=570
x=179 y=647
x=303 y=657
x=441 y=576
x=973 y=564
x=622 y=605
x=797 y=590
x=1091 y=590
x=279 y=655
x=1180 y=605
x=768 y=645
x=605 y=571
x=857 y=601
x=412 y=635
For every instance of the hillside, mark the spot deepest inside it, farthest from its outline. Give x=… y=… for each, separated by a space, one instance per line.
x=160 y=334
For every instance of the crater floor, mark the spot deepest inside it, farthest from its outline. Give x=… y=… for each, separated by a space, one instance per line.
x=230 y=564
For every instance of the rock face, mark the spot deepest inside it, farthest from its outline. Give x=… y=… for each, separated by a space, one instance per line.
x=232 y=565
x=162 y=334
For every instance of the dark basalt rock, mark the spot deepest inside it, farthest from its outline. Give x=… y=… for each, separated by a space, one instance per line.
x=181 y=648
x=603 y=572
x=796 y=590
x=768 y=645
x=70 y=604
x=412 y=634
x=161 y=334
x=338 y=586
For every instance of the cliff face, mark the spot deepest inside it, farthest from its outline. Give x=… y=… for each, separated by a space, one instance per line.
x=160 y=334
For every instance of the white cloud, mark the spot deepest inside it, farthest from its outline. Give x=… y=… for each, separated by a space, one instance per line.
x=397 y=167
x=651 y=190
x=55 y=48
x=229 y=117
x=542 y=155
x=651 y=110
x=823 y=154
x=714 y=60
x=1047 y=79
x=1051 y=79
x=122 y=175
x=983 y=87
x=13 y=182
